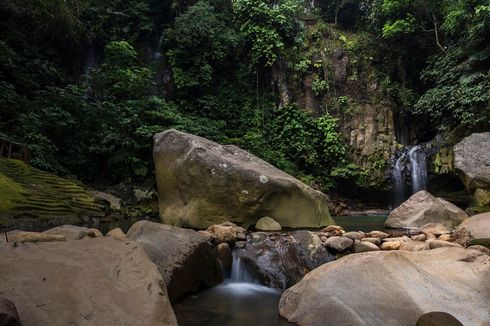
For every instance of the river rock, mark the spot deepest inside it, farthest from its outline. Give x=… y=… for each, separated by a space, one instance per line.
x=472 y=161
x=419 y=237
x=341 y=292
x=201 y=183
x=24 y=236
x=8 y=313
x=354 y=235
x=339 y=244
x=267 y=223
x=483 y=249
x=364 y=246
x=434 y=228
x=438 y=318
x=222 y=233
x=112 y=202
x=376 y=241
x=391 y=245
x=377 y=234
x=482 y=197
x=116 y=233
x=333 y=230
x=100 y=281
x=414 y=246
x=422 y=208
x=445 y=237
x=433 y=244
x=477 y=225
x=73 y=232
x=184 y=257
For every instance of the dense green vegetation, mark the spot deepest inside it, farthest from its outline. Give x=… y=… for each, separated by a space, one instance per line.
x=87 y=83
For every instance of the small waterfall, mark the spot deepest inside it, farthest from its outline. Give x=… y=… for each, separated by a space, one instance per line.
x=398 y=179
x=411 y=159
x=419 y=168
x=239 y=270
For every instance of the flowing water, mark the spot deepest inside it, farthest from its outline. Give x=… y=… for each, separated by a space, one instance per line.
x=239 y=301
x=411 y=162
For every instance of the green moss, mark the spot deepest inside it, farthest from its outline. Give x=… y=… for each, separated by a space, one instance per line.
x=9 y=192
x=29 y=193
x=482 y=242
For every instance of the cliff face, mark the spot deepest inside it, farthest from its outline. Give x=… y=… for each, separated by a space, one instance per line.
x=337 y=72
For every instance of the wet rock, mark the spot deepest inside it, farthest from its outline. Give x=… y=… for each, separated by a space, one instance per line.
x=184 y=257
x=281 y=259
x=8 y=313
x=377 y=234
x=392 y=275
x=391 y=245
x=101 y=281
x=354 y=235
x=339 y=244
x=364 y=246
x=471 y=161
x=240 y=244
x=267 y=223
x=202 y=183
x=422 y=208
x=437 y=318
x=414 y=246
x=223 y=253
x=477 y=225
x=73 y=232
x=116 y=233
x=23 y=236
x=433 y=244
x=112 y=202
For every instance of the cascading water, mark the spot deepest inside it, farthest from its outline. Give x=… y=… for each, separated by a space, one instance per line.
x=398 y=180
x=411 y=159
x=419 y=168
x=240 y=300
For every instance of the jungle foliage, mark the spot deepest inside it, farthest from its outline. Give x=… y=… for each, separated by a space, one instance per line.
x=87 y=83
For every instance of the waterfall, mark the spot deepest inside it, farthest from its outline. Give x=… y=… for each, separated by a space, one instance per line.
x=239 y=270
x=411 y=159
x=419 y=168
x=398 y=179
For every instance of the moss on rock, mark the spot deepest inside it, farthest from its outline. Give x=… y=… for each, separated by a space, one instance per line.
x=31 y=196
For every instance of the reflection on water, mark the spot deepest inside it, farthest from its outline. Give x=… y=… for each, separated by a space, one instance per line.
x=231 y=304
x=362 y=223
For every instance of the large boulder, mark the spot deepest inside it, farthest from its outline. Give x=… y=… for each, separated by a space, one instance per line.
x=392 y=288
x=422 y=208
x=185 y=258
x=472 y=161
x=99 y=281
x=201 y=183
x=477 y=225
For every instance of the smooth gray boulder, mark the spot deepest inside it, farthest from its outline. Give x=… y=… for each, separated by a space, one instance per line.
x=201 y=183
x=392 y=288
x=472 y=161
x=267 y=223
x=185 y=258
x=101 y=281
x=422 y=208
x=477 y=225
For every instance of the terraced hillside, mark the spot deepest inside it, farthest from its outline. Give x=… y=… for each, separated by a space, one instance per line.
x=31 y=198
